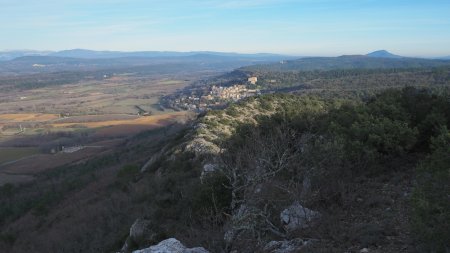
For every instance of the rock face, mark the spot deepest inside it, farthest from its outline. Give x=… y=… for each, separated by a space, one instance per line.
x=297 y=217
x=171 y=245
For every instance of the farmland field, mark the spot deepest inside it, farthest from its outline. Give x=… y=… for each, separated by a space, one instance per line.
x=90 y=117
x=9 y=154
x=19 y=117
x=144 y=120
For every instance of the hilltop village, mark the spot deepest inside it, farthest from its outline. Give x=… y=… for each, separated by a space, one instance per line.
x=214 y=96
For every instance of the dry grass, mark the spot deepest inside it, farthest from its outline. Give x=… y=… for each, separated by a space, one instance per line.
x=22 y=117
x=153 y=120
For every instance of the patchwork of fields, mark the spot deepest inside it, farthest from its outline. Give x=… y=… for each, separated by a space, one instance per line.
x=38 y=126
x=19 y=164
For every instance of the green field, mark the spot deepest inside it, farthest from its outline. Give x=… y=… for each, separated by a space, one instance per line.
x=11 y=154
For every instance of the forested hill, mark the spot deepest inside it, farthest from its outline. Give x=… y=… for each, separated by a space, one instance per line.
x=347 y=62
x=350 y=75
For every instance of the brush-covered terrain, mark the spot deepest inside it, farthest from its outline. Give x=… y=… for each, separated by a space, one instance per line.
x=275 y=172
x=374 y=173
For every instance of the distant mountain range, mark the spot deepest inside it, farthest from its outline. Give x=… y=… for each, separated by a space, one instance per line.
x=22 y=62
x=9 y=55
x=91 y=54
x=17 y=62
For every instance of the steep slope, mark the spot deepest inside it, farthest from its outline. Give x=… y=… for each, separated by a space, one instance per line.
x=281 y=168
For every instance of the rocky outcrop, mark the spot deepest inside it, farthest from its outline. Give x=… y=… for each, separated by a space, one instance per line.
x=297 y=217
x=200 y=147
x=171 y=245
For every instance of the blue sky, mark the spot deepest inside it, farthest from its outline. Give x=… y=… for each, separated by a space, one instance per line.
x=299 y=27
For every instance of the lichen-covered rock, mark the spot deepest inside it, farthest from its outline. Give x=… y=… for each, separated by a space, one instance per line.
x=171 y=245
x=297 y=217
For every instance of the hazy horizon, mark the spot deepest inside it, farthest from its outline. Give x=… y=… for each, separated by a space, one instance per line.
x=223 y=52
x=289 y=27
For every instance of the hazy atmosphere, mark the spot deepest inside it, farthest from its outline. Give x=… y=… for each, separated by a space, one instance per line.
x=215 y=126
x=296 y=27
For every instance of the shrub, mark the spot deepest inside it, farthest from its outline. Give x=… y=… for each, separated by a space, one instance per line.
x=232 y=111
x=212 y=195
x=266 y=105
x=225 y=121
x=430 y=200
x=8 y=238
x=128 y=172
x=126 y=175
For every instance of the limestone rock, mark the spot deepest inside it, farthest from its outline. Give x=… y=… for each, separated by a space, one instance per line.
x=297 y=217
x=171 y=245
x=200 y=146
x=208 y=169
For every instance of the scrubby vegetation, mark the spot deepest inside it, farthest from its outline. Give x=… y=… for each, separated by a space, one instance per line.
x=431 y=196
x=352 y=161
x=376 y=170
x=348 y=83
